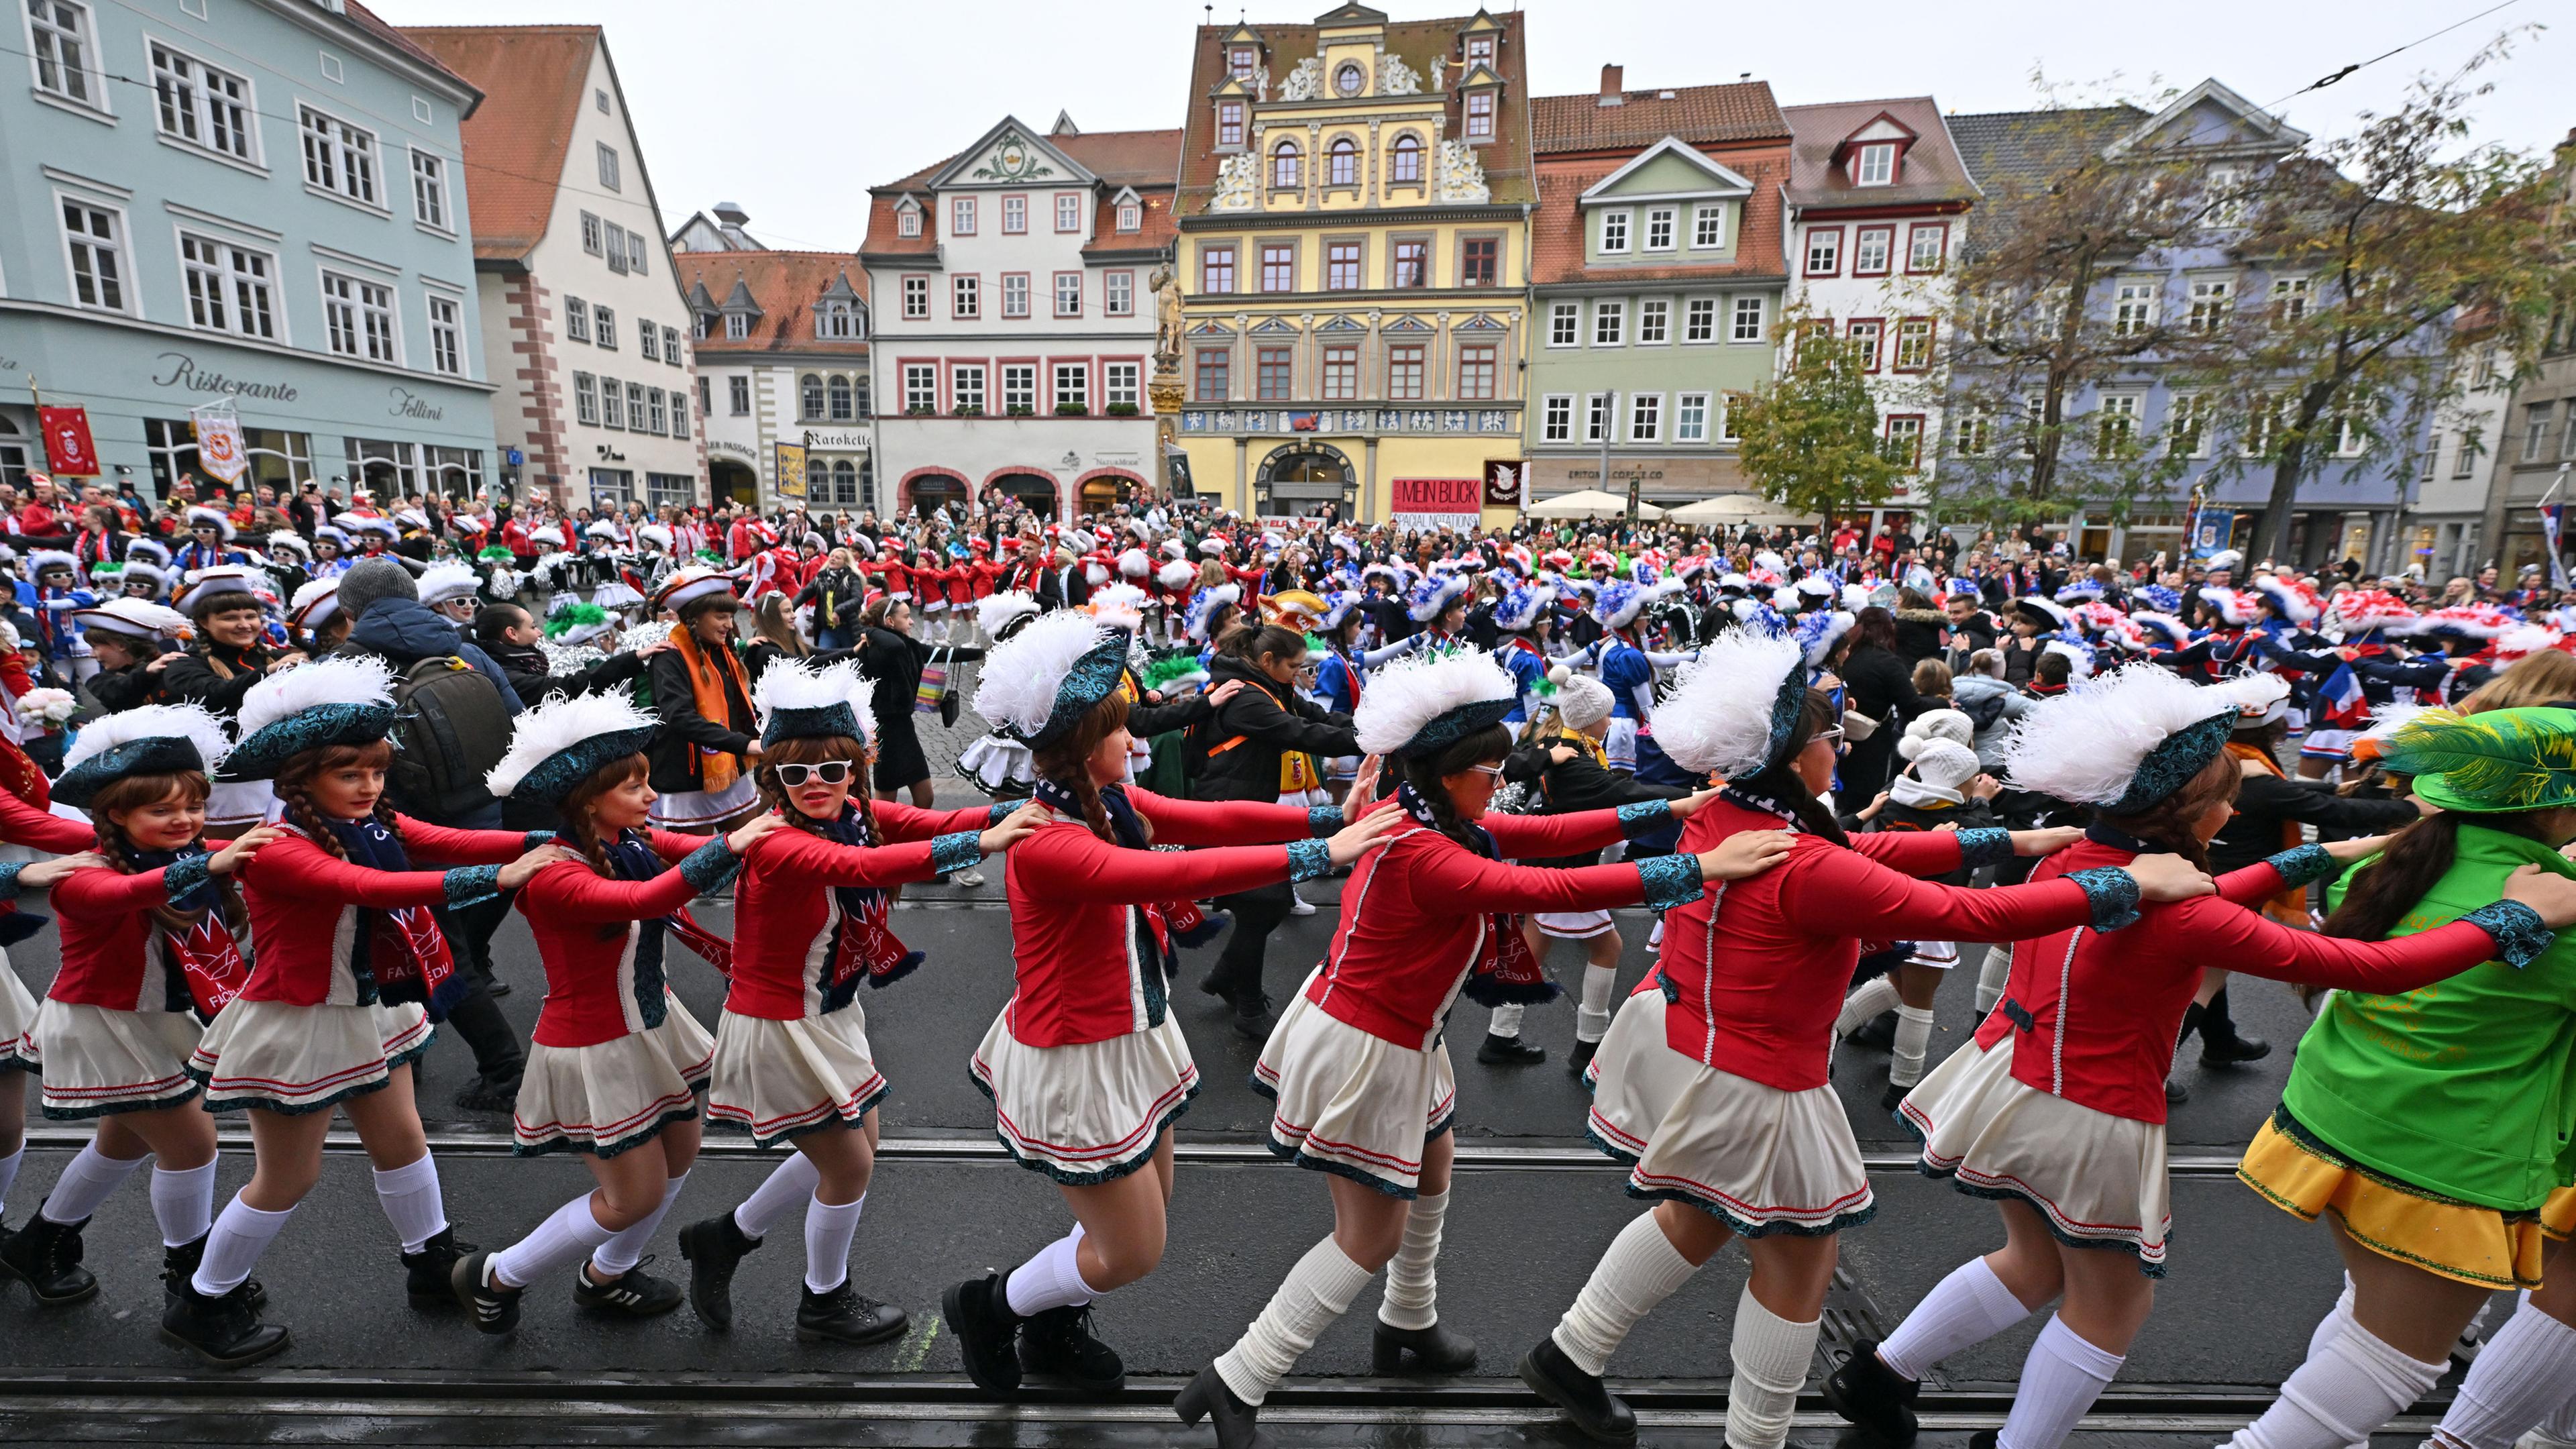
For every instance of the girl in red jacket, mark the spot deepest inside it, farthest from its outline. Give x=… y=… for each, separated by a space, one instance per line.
x=792 y=1061
x=147 y=945
x=28 y=826
x=1356 y=1064
x=1712 y=1080
x=2058 y=1110
x=616 y=1064
x=351 y=968
x=1086 y=1065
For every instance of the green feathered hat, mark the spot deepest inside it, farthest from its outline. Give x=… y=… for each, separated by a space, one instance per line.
x=2489 y=764
x=495 y=554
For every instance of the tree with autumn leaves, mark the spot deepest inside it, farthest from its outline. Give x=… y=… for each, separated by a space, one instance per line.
x=1809 y=440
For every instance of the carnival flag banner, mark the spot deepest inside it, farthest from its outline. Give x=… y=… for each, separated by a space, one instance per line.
x=219 y=441
x=68 y=448
x=2552 y=522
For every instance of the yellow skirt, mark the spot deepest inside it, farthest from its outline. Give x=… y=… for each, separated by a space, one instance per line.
x=2463 y=1241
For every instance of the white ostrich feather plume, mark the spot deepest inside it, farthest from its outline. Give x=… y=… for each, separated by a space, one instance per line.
x=1175 y=575
x=795 y=684
x=557 y=725
x=1022 y=674
x=2085 y=746
x=1412 y=692
x=994 y=610
x=152 y=722
x=1120 y=604
x=362 y=679
x=1717 y=720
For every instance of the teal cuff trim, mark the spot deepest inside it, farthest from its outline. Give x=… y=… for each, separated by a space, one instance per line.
x=2301 y=864
x=1671 y=880
x=9 y=878
x=1001 y=811
x=180 y=877
x=1308 y=859
x=1323 y=820
x=955 y=851
x=468 y=884
x=2519 y=935
x=1986 y=845
x=710 y=865
x=2114 y=894
x=1644 y=817
x=535 y=838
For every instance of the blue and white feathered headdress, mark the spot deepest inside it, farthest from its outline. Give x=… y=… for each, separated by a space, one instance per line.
x=1522 y=606
x=1202 y=610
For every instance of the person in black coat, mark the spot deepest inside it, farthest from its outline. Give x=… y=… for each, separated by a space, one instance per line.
x=1918 y=627
x=509 y=634
x=893 y=660
x=1878 y=686
x=1264 y=741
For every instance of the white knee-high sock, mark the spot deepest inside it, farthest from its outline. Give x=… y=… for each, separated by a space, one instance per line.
x=2558 y=1430
x=790 y=1184
x=1968 y=1307
x=1412 y=1287
x=2336 y=1320
x=1991 y=979
x=9 y=1173
x=563 y=1239
x=85 y=1183
x=1913 y=1039
x=2059 y=1381
x=1771 y=1357
x=622 y=1252
x=1052 y=1278
x=2341 y=1396
x=1592 y=1015
x=2519 y=1377
x=1866 y=1001
x=240 y=1235
x=1641 y=1269
x=1317 y=1291
x=1506 y=1020
x=183 y=1202
x=829 y=1227
x=409 y=1196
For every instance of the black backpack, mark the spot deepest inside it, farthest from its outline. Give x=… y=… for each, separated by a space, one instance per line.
x=450 y=729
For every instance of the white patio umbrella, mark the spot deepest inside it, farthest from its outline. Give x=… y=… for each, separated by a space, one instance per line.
x=1589 y=503
x=1734 y=508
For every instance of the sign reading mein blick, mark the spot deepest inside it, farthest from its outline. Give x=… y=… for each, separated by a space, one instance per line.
x=1428 y=503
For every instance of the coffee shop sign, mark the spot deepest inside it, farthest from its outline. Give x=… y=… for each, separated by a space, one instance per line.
x=179 y=370
x=1648 y=475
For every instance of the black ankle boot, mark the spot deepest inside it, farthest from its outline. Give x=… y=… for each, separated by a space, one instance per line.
x=1866 y=1392
x=979 y=1312
x=1596 y=1411
x=1579 y=1060
x=1236 y=1422
x=1059 y=1344
x=46 y=1256
x=1878 y=1033
x=179 y=1265
x=713 y=1247
x=846 y=1315
x=430 y=1273
x=2221 y=1045
x=1508 y=1051
x=1435 y=1350
x=223 y=1329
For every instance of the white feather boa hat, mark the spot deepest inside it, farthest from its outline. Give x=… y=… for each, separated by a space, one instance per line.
x=1732 y=709
x=1427 y=701
x=1039 y=682
x=2126 y=739
x=798 y=701
x=563 y=741
x=155 y=739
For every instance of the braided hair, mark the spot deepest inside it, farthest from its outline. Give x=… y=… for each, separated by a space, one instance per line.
x=1781 y=781
x=818 y=750
x=1426 y=774
x=133 y=792
x=1067 y=761
x=294 y=789
x=581 y=828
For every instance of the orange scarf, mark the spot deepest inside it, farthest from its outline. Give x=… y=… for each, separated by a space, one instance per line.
x=716 y=769
x=2290 y=907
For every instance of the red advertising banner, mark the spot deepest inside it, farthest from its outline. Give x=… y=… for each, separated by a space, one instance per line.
x=68 y=448
x=1422 y=503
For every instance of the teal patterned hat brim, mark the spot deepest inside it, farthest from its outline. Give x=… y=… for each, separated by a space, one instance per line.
x=559 y=774
x=165 y=755
x=1448 y=728
x=1087 y=683
x=811 y=724
x=1786 y=706
x=269 y=748
x=2170 y=765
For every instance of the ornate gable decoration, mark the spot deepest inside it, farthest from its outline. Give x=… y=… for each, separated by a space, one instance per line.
x=1481 y=323
x=1011 y=153
x=1408 y=324
x=1211 y=328
x=1012 y=158
x=1306 y=82
x=1238 y=183
x=1717 y=179
x=1395 y=78
x=1343 y=324
x=1460 y=176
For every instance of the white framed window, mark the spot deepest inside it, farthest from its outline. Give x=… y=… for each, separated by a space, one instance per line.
x=1015 y=294
x=2226 y=196
x=1905 y=439
x=648 y=340
x=738 y=396
x=2212 y=299
x=916 y=297
x=603 y=322
x=202 y=105
x=961 y=216
x=679 y=414
x=65 y=52
x=230 y=288
x=1068 y=294
x=1690 y=417
x=1661 y=224
x=1073 y=384
x=359 y=317
x=585 y=399
x=966 y=297
x=966 y=387
x=1596 y=417
x=671 y=346
x=907 y=220
x=1131 y=216
x=1015 y=215
x=1020 y=387
x=1654 y=322
x=1556 y=418
x=1824 y=251
x=590 y=233
x=338 y=157
x=635 y=406
x=429 y=189
x=1870 y=248
x=635 y=253
x=1119 y=291
x=608 y=171
x=612 y=403
x=2263 y=427
x=1925 y=246
x=1708 y=227
x=1748 y=320
x=1120 y=385
x=576 y=319
x=920 y=387
x=2133 y=306
x=809 y=398
x=2115 y=425
x=1913 y=344
x=656 y=411
x=1866 y=334
x=1646 y=417
x=1699 y=320
x=1875 y=164
x=1726 y=432
x=1564 y=324
x=615 y=238
x=1971 y=433
x=2187 y=425
x=2290 y=300
x=2464 y=463
x=737 y=326
x=1614 y=232
x=1068 y=211
x=1480 y=115
x=1609 y=323
x=94 y=238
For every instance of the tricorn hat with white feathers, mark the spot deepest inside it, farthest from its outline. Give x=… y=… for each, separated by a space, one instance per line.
x=995 y=612
x=1733 y=709
x=1039 y=683
x=155 y=739
x=2124 y=740
x=564 y=741
x=797 y=701
x=1429 y=701
x=333 y=702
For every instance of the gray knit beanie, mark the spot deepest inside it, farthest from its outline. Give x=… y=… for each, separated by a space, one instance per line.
x=373 y=579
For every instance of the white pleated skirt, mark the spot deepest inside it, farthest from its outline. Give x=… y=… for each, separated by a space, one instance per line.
x=612 y=1095
x=237 y=805
x=2099 y=1180
x=699 y=809
x=1090 y=1112
x=281 y=1057
x=1351 y=1103
x=1759 y=1159
x=100 y=1061
x=779 y=1079
x=996 y=763
x=18 y=1049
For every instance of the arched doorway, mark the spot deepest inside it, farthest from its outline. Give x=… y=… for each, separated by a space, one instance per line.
x=731 y=482
x=1303 y=479
x=1034 y=491
x=1102 y=489
x=927 y=491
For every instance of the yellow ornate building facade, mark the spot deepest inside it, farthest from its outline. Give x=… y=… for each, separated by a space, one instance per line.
x=1354 y=222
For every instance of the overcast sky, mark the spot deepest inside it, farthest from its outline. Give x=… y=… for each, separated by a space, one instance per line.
x=793 y=108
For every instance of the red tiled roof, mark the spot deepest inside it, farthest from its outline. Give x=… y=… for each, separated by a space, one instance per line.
x=1933 y=171
x=1144 y=160
x=1125 y=158
x=784 y=284
x=375 y=26
x=1556 y=228
x=534 y=79
x=1506 y=159
x=1736 y=111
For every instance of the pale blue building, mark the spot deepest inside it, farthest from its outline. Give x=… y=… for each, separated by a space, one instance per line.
x=259 y=200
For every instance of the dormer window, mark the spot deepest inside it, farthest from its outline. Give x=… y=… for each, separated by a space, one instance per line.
x=907 y=220
x=1238 y=62
x=836 y=322
x=1229 y=123
x=1874 y=164
x=1349 y=79
x=1131 y=216
x=1480 y=50
x=1480 y=115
